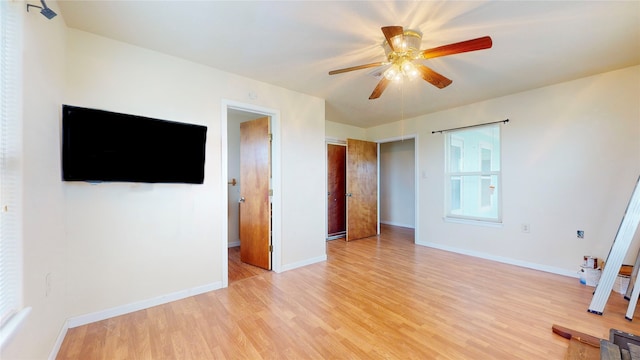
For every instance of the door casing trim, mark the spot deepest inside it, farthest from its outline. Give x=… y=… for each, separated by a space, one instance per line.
x=276 y=184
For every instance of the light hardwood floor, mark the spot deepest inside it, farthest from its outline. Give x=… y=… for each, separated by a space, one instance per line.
x=376 y=298
x=239 y=270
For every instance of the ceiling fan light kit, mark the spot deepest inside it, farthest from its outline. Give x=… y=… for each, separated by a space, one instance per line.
x=407 y=47
x=404 y=58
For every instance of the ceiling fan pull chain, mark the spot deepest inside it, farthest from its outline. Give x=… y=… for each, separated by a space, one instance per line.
x=402 y=110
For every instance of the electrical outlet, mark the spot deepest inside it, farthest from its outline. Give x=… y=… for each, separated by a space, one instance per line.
x=526 y=228
x=580 y=234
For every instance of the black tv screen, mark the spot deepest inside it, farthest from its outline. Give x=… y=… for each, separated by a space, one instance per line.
x=99 y=145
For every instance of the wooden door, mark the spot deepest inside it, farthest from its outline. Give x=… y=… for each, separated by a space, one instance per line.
x=362 y=189
x=336 y=190
x=255 y=214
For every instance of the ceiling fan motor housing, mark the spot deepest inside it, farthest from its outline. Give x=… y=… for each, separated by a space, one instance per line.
x=406 y=45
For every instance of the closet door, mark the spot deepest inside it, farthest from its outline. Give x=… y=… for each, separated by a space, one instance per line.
x=255 y=205
x=362 y=189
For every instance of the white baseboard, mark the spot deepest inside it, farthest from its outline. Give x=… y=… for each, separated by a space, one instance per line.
x=392 y=223
x=140 y=305
x=234 y=243
x=125 y=309
x=525 y=264
x=303 y=263
x=58 y=344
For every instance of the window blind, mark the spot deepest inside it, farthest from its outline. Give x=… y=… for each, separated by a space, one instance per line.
x=10 y=139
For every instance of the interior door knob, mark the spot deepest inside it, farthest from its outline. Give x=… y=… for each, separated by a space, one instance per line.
x=348 y=194
x=241 y=199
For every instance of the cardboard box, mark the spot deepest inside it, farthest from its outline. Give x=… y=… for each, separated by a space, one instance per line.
x=589 y=276
x=621 y=284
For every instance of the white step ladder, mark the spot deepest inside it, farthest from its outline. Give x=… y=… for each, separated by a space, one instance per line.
x=633 y=290
x=618 y=251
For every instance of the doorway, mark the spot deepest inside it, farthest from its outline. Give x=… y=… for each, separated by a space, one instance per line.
x=234 y=117
x=352 y=190
x=398 y=178
x=336 y=191
x=398 y=197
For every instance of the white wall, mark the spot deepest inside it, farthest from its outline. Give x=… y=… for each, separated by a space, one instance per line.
x=112 y=245
x=570 y=159
x=44 y=243
x=338 y=131
x=397 y=183
x=130 y=242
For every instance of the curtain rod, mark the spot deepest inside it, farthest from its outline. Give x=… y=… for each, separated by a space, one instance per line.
x=470 y=126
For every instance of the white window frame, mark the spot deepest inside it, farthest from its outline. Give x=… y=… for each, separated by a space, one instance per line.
x=460 y=193
x=481 y=189
x=459 y=143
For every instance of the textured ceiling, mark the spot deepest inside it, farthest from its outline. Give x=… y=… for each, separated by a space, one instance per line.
x=293 y=44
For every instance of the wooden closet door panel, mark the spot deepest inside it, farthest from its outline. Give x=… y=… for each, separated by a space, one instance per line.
x=362 y=189
x=255 y=208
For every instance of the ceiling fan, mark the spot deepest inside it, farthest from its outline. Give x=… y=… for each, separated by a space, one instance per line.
x=402 y=48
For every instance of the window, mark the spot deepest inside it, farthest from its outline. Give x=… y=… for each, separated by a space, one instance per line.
x=11 y=312
x=455 y=165
x=472 y=175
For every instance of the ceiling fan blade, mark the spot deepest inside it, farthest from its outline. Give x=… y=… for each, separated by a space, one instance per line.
x=484 y=42
x=359 y=67
x=433 y=77
x=380 y=88
x=391 y=32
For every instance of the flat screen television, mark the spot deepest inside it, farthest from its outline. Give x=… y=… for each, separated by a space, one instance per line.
x=100 y=145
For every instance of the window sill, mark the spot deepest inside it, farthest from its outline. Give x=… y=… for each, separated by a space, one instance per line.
x=12 y=326
x=472 y=222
